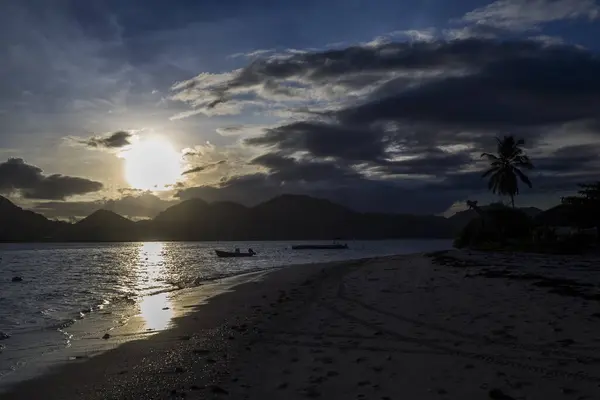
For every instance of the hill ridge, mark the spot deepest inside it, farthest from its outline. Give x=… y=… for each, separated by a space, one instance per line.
x=283 y=217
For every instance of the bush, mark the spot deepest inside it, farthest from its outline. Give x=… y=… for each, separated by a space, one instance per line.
x=502 y=224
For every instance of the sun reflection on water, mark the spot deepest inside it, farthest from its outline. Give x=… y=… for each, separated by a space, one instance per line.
x=155 y=309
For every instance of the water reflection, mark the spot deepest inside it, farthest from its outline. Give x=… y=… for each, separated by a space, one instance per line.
x=155 y=307
x=156 y=311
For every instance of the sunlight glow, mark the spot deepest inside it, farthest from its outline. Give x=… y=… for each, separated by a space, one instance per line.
x=152 y=164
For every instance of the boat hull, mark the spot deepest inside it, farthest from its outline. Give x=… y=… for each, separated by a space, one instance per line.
x=221 y=253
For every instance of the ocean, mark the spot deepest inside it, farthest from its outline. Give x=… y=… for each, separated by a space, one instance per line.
x=73 y=294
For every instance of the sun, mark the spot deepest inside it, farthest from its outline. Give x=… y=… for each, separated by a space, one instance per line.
x=152 y=164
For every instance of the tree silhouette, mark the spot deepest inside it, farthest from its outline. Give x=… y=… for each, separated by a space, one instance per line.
x=585 y=206
x=505 y=167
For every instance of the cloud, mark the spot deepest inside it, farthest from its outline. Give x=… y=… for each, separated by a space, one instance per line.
x=325 y=140
x=333 y=79
x=254 y=53
x=409 y=120
x=575 y=159
x=203 y=167
x=432 y=162
x=556 y=86
x=284 y=169
x=376 y=150
x=337 y=75
x=519 y=87
x=30 y=182
x=232 y=130
x=130 y=191
x=115 y=140
x=549 y=40
x=215 y=162
x=524 y=15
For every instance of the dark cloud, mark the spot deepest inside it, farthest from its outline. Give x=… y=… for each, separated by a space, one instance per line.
x=314 y=78
x=439 y=127
x=432 y=161
x=202 y=167
x=130 y=191
x=286 y=169
x=570 y=159
x=325 y=140
x=376 y=146
x=363 y=60
x=520 y=87
x=30 y=182
x=552 y=87
x=114 y=140
x=230 y=129
x=410 y=139
x=193 y=170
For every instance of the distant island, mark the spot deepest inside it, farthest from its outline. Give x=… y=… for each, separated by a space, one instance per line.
x=286 y=217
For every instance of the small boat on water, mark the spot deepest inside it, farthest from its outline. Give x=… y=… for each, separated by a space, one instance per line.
x=335 y=246
x=237 y=253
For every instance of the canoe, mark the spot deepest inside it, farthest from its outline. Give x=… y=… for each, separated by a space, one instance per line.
x=221 y=253
x=320 y=247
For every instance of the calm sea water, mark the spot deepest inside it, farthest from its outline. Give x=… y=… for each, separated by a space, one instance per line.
x=75 y=291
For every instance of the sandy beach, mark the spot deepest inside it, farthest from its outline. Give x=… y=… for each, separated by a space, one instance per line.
x=454 y=325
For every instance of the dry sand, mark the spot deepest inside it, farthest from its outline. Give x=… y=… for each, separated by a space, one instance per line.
x=467 y=326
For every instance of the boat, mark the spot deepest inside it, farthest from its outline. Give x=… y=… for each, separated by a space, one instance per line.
x=335 y=246
x=221 y=253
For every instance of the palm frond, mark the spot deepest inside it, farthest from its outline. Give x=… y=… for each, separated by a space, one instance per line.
x=489 y=171
x=524 y=178
x=490 y=156
x=524 y=162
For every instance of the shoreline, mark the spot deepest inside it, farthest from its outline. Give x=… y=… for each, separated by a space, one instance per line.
x=409 y=326
x=156 y=314
x=186 y=304
x=26 y=354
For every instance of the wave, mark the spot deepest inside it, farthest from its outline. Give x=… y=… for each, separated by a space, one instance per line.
x=130 y=298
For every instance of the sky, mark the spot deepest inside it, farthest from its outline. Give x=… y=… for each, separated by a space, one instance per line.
x=380 y=105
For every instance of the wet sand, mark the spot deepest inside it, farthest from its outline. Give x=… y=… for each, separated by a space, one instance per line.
x=455 y=326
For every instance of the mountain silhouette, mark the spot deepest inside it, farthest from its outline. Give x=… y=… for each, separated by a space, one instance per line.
x=101 y=225
x=286 y=217
x=19 y=225
x=195 y=219
x=302 y=217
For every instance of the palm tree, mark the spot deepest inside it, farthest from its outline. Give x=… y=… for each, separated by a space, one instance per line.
x=506 y=167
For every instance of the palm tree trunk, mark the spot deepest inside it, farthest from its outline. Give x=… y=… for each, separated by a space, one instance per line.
x=512 y=200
